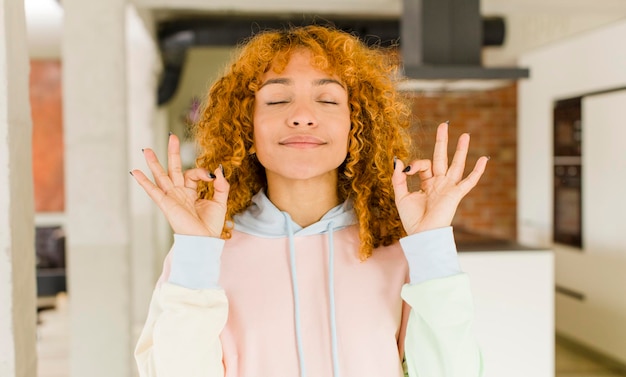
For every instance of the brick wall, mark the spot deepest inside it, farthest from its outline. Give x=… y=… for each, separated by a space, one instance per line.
x=490 y=118
x=46 y=111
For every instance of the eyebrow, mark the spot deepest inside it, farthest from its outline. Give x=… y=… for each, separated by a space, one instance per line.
x=328 y=81
x=287 y=81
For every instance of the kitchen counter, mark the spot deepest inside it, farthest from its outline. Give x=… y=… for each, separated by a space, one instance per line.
x=513 y=288
x=471 y=242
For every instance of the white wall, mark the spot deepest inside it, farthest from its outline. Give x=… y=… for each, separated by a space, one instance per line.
x=591 y=62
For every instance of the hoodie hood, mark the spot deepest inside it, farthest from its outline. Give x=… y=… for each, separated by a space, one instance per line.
x=263 y=219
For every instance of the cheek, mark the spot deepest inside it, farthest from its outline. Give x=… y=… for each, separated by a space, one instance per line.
x=261 y=140
x=257 y=139
x=345 y=134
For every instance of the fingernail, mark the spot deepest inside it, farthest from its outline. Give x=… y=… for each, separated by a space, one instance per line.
x=488 y=157
x=131 y=173
x=212 y=176
x=394 y=162
x=170 y=133
x=142 y=150
x=448 y=122
x=407 y=169
x=221 y=168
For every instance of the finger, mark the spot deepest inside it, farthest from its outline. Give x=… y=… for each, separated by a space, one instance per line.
x=174 y=165
x=221 y=186
x=153 y=191
x=160 y=175
x=457 y=167
x=440 y=154
x=423 y=169
x=399 y=181
x=472 y=179
x=193 y=176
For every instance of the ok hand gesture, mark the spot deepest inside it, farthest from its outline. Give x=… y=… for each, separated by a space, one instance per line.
x=441 y=187
x=176 y=193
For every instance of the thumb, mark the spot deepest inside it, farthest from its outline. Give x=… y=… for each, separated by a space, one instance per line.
x=399 y=181
x=221 y=186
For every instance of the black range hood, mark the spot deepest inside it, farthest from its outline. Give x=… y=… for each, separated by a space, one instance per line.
x=443 y=39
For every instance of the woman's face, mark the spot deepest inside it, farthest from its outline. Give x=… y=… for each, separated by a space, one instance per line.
x=301 y=121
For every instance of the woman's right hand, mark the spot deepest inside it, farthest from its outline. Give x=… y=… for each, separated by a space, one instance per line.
x=176 y=193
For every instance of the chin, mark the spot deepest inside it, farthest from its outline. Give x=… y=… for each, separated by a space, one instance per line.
x=302 y=172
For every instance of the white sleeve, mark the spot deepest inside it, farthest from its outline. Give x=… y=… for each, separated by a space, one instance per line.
x=181 y=336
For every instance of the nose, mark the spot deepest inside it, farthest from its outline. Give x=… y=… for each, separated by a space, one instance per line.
x=297 y=122
x=302 y=115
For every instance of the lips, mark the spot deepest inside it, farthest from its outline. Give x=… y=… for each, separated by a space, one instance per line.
x=302 y=141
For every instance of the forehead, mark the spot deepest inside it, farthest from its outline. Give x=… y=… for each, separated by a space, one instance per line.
x=300 y=58
x=299 y=65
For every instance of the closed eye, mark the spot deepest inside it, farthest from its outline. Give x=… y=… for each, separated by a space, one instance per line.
x=276 y=102
x=328 y=102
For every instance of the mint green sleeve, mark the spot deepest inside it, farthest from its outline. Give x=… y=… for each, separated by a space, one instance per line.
x=181 y=336
x=439 y=339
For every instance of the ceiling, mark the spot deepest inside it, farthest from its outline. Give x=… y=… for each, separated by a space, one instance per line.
x=530 y=23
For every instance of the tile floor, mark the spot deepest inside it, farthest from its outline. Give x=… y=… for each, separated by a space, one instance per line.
x=572 y=363
x=53 y=349
x=52 y=341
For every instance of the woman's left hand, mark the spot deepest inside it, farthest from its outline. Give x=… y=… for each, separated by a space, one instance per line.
x=441 y=187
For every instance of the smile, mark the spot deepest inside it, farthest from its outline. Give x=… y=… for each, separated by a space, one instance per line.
x=302 y=141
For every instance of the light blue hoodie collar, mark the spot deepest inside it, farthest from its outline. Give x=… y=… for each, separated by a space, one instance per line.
x=263 y=219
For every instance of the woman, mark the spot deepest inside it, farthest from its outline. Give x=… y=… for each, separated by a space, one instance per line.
x=299 y=250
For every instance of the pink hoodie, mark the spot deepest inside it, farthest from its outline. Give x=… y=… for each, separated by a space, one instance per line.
x=278 y=300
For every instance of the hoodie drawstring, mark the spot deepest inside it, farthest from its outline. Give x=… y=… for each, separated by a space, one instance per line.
x=296 y=296
x=331 y=297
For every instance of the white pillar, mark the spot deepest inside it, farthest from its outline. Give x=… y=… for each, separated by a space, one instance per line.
x=144 y=66
x=17 y=254
x=96 y=171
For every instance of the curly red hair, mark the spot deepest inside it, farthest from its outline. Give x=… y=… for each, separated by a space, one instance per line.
x=379 y=116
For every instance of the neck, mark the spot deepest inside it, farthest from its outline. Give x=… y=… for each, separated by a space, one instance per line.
x=306 y=201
